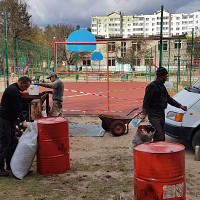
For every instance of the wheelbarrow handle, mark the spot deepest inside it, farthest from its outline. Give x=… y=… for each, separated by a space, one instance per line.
x=132 y=111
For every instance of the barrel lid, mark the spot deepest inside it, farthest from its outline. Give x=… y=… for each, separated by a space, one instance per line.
x=159 y=147
x=51 y=120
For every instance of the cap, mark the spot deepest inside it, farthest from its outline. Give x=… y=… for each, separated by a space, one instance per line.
x=161 y=71
x=51 y=75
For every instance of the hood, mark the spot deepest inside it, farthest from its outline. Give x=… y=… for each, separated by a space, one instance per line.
x=186 y=98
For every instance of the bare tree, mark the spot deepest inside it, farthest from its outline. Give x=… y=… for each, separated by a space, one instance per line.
x=131 y=53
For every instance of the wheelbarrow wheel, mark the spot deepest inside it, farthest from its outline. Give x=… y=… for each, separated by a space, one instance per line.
x=105 y=126
x=117 y=128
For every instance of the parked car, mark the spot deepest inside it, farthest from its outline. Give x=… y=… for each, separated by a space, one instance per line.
x=181 y=124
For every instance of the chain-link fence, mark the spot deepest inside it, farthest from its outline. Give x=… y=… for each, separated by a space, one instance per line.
x=21 y=58
x=180 y=56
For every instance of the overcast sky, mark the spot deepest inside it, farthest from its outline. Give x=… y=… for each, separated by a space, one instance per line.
x=79 y=12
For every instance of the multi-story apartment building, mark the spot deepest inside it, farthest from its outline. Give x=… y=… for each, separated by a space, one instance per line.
x=117 y=24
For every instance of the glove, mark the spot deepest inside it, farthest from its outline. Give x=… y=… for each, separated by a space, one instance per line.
x=24 y=124
x=37 y=83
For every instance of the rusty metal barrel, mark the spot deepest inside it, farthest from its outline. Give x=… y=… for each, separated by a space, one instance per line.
x=159 y=171
x=53 y=145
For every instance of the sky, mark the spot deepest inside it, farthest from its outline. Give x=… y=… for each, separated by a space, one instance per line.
x=79 y=12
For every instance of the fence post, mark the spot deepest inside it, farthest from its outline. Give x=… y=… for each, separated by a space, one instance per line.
x=178 y=66
x=155 y=61
x=169 y=59
x=22 y=63
x=48 y=62
x=5 y=32
x=191 y=55
x=4 y=78
x=16 y=43
x=150 y=64
x=161 y=27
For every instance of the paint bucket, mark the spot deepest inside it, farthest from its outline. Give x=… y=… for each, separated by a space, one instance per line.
x=159 y=171
x=34 y=90
x=53 y=145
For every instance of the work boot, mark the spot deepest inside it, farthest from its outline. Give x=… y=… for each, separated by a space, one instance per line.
x=4 y=173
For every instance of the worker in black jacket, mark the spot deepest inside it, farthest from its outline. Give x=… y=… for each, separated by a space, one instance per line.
x=10 y=110
x=155 y=102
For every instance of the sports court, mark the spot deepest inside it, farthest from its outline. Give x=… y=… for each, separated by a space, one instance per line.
x=91 y=97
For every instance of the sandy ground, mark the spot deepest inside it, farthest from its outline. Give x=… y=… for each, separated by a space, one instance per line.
x=102 y=168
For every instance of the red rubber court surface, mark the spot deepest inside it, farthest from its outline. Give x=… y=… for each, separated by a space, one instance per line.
x=91 y=98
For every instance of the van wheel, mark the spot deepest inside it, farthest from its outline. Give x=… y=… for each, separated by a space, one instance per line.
x=196 y=139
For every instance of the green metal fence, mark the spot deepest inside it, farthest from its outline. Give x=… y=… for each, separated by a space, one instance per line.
x=180 y=56
x=23 y=59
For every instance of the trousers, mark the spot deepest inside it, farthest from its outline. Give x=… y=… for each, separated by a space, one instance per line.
x=8 y=142
x=56 y=109
x=158 y=123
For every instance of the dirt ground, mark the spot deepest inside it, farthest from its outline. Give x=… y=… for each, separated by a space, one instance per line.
x=102 y=167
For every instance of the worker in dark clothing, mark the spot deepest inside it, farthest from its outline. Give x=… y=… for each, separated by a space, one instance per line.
x=155 y=102
x=10 y=111
x=58 y=89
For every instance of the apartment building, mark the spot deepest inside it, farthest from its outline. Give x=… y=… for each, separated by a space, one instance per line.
x=117 y=24
x=139 y=51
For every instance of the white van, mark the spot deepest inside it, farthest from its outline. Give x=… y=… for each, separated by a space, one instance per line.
x=181 y=124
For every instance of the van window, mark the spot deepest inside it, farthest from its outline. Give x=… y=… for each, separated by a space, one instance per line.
x=197 y=84
x=195 y=88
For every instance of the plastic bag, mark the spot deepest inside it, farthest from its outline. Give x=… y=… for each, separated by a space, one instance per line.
x=144 y=133
x=25 y=151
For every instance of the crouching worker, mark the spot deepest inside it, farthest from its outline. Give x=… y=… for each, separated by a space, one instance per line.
x=10 y=111
x=58 y=89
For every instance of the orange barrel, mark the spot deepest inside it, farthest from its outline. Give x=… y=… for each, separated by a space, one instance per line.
x=53 y=145
x=159 y=171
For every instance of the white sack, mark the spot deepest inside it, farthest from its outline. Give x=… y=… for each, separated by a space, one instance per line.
x=144 y=133
x=25 y=151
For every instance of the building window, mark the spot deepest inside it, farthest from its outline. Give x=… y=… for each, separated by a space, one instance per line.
x=136 y=62
x=147 y=61
x=176 y=59
x=86 y=61
x=111 y=46
x=111 y=61
x=136 y=46
x=164 y=46
x=177 y=45
x=123 y=49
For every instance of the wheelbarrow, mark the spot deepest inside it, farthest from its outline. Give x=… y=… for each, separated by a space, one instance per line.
x=117 y=124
